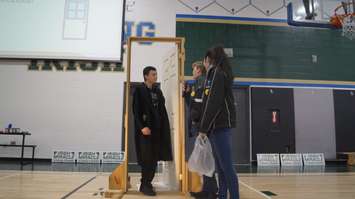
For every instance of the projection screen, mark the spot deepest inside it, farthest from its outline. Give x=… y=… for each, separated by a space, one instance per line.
x=61 y=29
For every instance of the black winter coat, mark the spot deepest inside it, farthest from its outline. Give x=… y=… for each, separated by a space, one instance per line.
x=218 y=109
x=157 y=146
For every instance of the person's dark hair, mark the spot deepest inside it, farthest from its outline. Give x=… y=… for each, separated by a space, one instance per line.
x=219 y=59
x=147 y=69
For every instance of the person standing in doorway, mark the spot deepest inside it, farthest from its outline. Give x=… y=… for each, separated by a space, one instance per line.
x=152 y=129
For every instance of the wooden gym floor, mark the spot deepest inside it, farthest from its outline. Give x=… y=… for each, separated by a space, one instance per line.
x=91 y=185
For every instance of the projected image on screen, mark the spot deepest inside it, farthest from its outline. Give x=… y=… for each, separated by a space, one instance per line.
x=76 y=19
x=61 y=29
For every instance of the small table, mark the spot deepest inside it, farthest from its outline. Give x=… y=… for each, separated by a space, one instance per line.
x=23 y=134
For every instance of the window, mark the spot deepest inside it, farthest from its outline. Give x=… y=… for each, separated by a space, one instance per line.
x=77 y=9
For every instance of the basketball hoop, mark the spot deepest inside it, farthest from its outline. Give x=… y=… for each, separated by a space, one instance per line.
x=348 y=24
x=345 y=20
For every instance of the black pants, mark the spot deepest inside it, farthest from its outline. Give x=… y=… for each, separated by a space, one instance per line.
x=148 y=160
x=148 y=173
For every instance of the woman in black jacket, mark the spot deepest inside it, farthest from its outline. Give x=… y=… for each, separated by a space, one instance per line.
x=219 y=117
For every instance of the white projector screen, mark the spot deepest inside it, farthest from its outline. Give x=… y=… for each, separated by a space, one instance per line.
x=61 y=29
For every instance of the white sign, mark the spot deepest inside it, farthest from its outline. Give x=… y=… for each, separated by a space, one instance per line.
x=63 y=156
x=313 y=159
x=268 y=159
x=291 y=159
x=229 y=52
x=112 y=156
x=88 y=157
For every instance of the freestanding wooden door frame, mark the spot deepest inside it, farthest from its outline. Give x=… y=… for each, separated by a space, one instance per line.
x=180 y=42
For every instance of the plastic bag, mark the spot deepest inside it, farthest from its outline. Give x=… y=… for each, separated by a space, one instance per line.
x=201 y=159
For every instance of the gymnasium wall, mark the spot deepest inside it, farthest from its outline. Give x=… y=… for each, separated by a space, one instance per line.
x=266 y=53
x=314 y=121
x=79 y=110
x=278 y=52
x=63 y=110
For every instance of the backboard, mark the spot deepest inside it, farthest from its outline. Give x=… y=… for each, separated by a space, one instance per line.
x=331 y=14
x=316 y=13
x=318 y=10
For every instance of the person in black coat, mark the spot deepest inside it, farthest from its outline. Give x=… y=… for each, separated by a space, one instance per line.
x=152 y=129
x=193 y=97
x=219 y=118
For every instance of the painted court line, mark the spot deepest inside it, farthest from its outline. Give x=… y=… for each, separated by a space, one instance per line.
x=79 y=187
x=251 y=188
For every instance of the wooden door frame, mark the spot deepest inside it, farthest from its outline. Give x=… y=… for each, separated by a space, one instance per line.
x=180 y=43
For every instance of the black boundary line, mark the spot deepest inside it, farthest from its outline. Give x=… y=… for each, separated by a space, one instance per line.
x=79 y=187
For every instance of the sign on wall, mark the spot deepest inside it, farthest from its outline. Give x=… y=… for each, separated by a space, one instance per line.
x=268 y=159
x=291 y=159
x=112 y=156
x=88 y=157
x=63 y=156
x=313 y=159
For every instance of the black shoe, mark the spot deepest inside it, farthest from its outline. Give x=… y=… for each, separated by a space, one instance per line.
x=212 y=196
x=199 y=194
x=147 y=190
x=203 y=195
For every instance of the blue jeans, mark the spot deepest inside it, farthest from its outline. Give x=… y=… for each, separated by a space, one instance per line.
x=227 y=179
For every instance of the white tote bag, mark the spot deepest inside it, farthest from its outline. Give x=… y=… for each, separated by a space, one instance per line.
x=201 y=159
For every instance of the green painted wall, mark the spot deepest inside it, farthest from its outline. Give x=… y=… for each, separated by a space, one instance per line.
x=274 y=52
